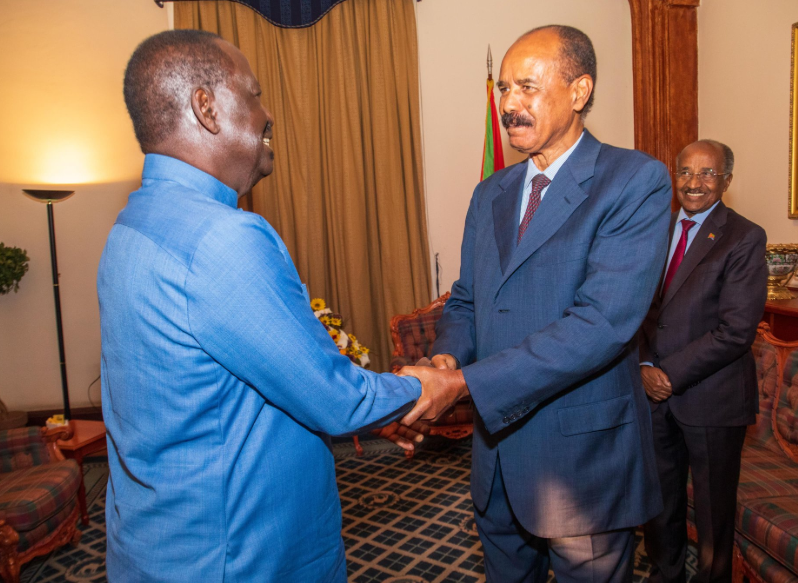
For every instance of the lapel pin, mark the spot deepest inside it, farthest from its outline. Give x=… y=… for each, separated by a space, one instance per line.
x=711 y=236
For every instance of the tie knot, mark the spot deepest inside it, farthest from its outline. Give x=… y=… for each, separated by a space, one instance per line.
x=540 y=181
x=687 y=224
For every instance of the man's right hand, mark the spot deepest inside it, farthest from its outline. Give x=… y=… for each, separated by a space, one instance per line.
x=440 y=389
x=656 y=383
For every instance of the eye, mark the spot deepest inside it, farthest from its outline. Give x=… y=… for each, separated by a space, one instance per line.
x=684 y=174
x=707 y=174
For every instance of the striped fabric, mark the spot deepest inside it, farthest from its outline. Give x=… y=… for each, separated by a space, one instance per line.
x=788 y=403
x=766 y=474
x=772 y=524
x=29 y=538
x=22 y=448
x=767 y=371
x=31 y=497
x=764 y=565
x=417 y=336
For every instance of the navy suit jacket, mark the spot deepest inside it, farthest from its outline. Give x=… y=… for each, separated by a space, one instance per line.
x=545 y=332
x=700 y=333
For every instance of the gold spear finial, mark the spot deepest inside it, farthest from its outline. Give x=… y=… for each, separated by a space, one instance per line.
x=490 y=64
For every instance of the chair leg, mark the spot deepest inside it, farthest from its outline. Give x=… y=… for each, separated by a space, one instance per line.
x=358 y=447
x=9 y=563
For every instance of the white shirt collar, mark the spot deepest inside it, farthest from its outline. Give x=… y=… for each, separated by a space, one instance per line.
x=697 y=218
x=554 y=167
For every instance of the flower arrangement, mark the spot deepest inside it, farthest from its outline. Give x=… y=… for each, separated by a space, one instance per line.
x=347 y=344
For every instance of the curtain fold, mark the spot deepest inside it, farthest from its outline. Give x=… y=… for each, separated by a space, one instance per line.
x=346 y=194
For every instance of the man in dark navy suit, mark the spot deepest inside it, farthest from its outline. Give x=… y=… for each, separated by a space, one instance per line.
x=698 y=369
x=561 y=255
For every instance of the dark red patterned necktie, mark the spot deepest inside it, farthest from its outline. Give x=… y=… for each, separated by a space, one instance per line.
x=678 y=254
x=539 y=182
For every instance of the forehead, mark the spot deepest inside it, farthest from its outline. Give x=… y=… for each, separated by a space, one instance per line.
x=539 y=50
x=701 y=155
x=241 y=68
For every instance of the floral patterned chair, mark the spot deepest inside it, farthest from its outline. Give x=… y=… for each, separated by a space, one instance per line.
x=38 y=496
x=413 y=335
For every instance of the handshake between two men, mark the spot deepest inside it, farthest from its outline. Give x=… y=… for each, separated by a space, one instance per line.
x=442 y=385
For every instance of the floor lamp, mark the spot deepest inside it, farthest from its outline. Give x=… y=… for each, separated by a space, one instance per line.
x=49 y=197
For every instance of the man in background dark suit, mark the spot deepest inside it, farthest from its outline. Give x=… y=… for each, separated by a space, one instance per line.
x=697 y=366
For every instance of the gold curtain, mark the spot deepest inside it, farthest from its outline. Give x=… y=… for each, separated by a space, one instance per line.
x=346 y=194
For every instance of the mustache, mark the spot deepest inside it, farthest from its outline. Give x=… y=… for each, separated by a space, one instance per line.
x=516 y=120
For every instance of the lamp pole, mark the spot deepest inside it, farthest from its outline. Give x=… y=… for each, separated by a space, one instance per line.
x=50 y=196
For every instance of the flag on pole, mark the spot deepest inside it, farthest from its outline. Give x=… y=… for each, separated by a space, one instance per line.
x=492 y=154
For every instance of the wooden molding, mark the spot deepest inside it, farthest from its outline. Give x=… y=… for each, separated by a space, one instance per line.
x=665 y=73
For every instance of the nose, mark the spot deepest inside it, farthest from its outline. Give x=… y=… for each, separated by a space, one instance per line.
x=508 y=102
x=694 y=180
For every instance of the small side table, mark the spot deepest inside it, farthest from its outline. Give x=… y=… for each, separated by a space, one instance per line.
x=88 y=438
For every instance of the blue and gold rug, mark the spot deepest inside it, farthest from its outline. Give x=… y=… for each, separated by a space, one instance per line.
x=404 y=521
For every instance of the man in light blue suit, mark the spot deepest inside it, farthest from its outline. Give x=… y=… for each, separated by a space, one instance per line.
x=219 y=386
x=560 y=259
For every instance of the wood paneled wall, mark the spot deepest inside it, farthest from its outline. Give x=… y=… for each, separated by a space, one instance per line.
x=665 y=62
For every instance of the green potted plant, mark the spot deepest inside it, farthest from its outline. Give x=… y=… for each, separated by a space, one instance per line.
x=13 y=265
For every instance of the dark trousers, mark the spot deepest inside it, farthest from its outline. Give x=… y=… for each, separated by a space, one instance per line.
x=513 y=555
x=713 y=456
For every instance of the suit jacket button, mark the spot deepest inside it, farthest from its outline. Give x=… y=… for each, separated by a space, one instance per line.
x=661 y=326
x=506 y=419
x=656 y=355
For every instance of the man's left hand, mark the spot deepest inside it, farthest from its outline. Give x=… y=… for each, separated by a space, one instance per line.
x=402 y=435
x=656 y=383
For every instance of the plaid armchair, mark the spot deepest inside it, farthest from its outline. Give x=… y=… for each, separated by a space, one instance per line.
x=38 y=496
x=413 y=335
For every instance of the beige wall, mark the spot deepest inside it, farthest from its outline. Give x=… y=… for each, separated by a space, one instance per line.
x=453 y=37
x=64 y=122
x=744 y=101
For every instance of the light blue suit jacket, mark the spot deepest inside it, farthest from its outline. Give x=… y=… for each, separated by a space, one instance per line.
x=544 y=332
x=219 y=390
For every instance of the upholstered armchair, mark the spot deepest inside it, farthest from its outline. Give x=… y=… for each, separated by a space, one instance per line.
x=38 y=496
x=413 y=335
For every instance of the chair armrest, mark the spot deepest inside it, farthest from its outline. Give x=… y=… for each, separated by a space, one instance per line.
x=51 y=435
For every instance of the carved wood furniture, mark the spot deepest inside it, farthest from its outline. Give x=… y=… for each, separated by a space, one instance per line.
x=413 y=335
x=88 y=438
x=38 y=497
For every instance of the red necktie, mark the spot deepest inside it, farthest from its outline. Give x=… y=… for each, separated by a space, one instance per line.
x=539 y=182
x=678 y=254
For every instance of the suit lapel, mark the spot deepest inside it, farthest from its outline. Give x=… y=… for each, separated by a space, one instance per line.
x=701 y=245
x=562 y=198
x=506 y=213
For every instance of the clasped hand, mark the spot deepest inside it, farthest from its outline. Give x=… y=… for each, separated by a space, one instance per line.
x=442 y=385
x=656 y=383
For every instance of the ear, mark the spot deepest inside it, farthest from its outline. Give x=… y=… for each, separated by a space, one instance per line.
x=728 y=182
x=203 y=106
x=582 y=88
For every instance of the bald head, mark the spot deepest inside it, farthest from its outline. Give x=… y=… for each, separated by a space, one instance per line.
x=724 y=152
x=161 y=75
x=577 y=56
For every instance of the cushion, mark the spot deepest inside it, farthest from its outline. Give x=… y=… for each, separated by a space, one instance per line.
x=30 y=497
x=766 y=371
x=787 y=407
x=30 y=537
x=772 y=524
x=22 y=448
x=764 y=473
x=762 y=563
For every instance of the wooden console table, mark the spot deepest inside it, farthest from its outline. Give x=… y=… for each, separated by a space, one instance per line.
x=88 y=438
x=782 y=317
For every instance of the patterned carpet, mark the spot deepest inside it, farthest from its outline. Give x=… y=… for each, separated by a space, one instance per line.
x=404 y=521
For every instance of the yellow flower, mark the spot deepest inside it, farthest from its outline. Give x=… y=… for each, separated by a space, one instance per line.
x=364 y=349
x=352 y=337
x=335 y=321
x=317 y=304
x=325 y=320
x=335 y=334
